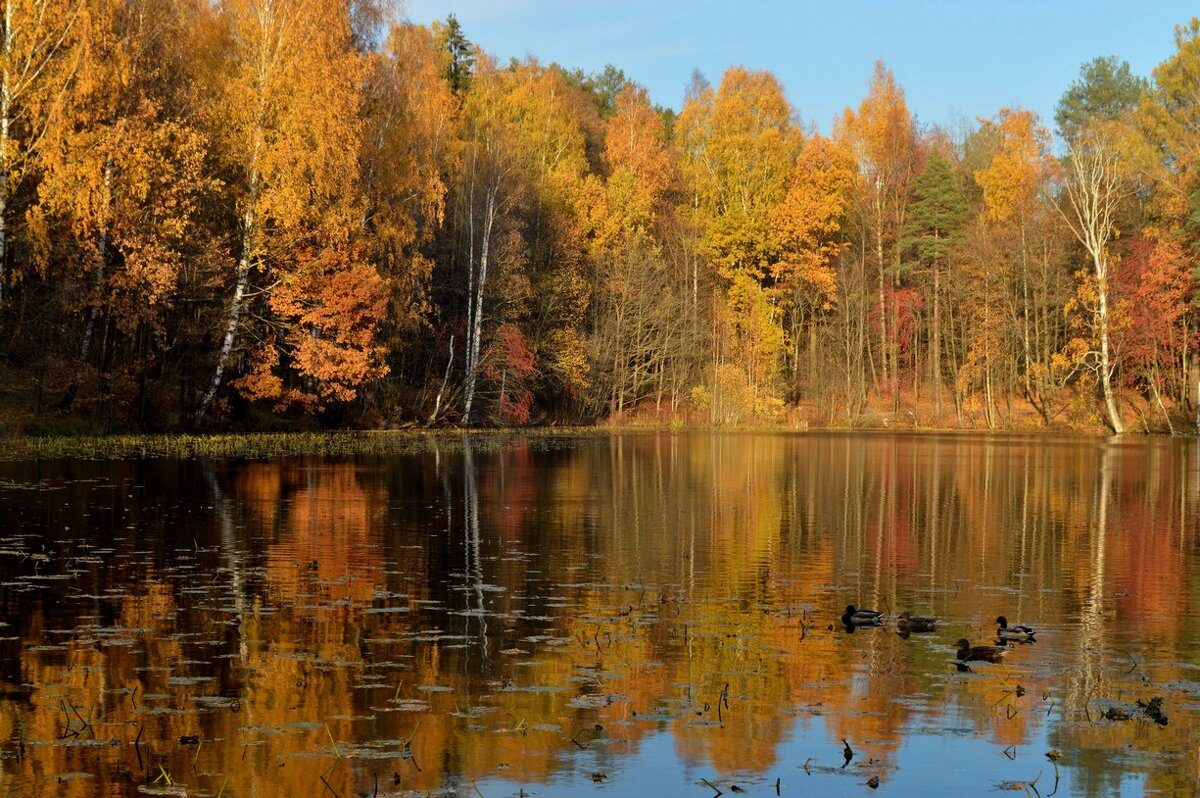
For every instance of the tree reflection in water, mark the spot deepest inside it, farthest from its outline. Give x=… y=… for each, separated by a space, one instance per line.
x=646 y=609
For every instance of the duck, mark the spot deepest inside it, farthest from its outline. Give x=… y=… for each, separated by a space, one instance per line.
x=1018 y=632
x=856 y=617
x=907 y=622
x=970 y=653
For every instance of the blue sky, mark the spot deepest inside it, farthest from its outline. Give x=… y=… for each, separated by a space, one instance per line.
x=956 y=60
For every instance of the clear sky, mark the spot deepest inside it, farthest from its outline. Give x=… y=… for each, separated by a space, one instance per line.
x=955 y=58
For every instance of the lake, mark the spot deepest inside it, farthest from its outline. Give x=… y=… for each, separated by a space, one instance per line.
x=622 y=614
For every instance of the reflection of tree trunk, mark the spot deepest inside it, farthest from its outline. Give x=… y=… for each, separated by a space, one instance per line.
x=232 y=554
x=472 y=549
x=934 y=515
x=1091 y=630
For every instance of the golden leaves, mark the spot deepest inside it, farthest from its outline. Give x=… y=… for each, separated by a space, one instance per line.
x=1019 y=167
x=739 y=146
x=811 y=215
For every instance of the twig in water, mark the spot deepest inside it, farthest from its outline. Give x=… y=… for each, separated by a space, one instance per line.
x=1033 y=784
x=1052 y=762
x=408 y=742
x=336 y=752
x=717 y=790
x=324 y=780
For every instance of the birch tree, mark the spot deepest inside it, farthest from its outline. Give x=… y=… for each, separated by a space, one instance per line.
x=488 y=189
x=36 y=66
x=287 y=111
x=1095 y=186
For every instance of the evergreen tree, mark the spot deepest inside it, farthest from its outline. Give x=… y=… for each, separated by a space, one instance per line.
x=1106 y=89
x=937 y=217
x=460 y=54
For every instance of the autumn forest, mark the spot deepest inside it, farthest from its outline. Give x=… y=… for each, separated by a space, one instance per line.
x=272 y=214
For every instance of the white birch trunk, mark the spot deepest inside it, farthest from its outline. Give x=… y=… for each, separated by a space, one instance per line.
x=1095 y=189
x=475 y=334
x=235 y=316
x=1106 y=366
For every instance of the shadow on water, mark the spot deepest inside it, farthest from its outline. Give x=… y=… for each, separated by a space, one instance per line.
x=636 y=612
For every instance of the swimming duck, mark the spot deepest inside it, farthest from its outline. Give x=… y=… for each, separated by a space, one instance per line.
x=1018 y=632
x=907 y=622
x=970 y=653
x=856 y=617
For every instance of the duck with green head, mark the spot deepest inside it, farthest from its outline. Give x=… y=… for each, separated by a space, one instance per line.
x=856 y=617
x=1017 y=632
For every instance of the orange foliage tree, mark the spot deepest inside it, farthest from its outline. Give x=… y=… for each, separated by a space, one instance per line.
x=286 y=112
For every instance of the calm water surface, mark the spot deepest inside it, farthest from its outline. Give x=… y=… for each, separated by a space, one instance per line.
x=622 y=615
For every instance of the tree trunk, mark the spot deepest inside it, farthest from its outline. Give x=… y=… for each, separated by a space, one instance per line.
x=235 y=314
x=935 y=356
x=1106 y=367
x=5 y=122
x=97 y=285
x=884 y=344
x=437 y=405
x=476 y=331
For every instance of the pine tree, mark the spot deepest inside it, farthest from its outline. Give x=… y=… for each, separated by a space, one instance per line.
x=937 y=216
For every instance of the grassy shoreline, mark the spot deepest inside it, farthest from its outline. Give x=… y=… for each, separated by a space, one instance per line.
x=366 y=442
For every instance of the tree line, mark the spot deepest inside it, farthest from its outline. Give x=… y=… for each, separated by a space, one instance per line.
x=263 y=212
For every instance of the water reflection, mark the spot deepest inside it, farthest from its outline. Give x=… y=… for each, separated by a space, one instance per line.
x=637 y=611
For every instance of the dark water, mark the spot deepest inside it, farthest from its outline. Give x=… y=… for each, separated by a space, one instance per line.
x=623 y=615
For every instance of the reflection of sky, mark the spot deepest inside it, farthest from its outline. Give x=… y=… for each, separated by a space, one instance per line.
x=938 y=760
x=955 y=59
